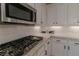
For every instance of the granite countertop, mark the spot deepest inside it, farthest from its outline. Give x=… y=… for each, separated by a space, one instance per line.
x=47 y=36
x=14 y=48
x=34 y=49
x=66 y=37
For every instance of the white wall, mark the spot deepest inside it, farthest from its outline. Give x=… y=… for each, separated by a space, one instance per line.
x=13 y=32
x=70 y=31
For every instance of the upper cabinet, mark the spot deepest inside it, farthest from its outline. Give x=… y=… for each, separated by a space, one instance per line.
x=61 y=14
x=57 y=14
x=73 y=14
x=51 y=14
x=38 y=15
x=31 y=4
x=41 y=14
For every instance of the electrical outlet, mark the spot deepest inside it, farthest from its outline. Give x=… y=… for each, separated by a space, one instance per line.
x=43 y=31
x=51 y=32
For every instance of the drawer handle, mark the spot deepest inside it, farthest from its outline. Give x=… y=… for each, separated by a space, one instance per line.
x=58 y=40
x=47 y=42
x=68 y=47
x=64 y=46
x=77 y=43
x=45 y=52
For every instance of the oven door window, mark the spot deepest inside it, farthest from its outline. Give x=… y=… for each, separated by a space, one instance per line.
x=18 y=11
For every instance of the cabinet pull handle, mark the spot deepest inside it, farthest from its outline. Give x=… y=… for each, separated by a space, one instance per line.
x=77 y=43
x=58 y=40
x=47 y=42
x=64 y=46
x=45 y=52
x=68 y=47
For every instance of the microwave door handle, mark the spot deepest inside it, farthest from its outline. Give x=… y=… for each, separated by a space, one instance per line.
x=34 y=16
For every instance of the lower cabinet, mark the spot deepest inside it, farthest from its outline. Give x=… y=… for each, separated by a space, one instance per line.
x=43 y=50
x=62 y=47
x=73 y=48
x=48 y=51
x=37 y=51
x=59 y=47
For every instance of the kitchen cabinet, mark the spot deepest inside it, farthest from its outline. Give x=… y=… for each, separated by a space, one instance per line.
x=48 y=47
x=57 y=14
x=73 y=48
x=31 y=4
x=65 y=47
x=61 y=14
x=41 y=14
x=59 y=47
x=73 y=14
x=38 y=50
x=51 y=15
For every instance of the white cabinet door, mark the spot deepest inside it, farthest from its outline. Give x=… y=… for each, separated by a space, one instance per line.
x=49 y=47
x=73 y=49
x=73 y=14
x=43 y=15
x=41 y=51
x=38 y=7
x=51 y=15
x=59 y=47
x=31 y=4
x=57 y=14
x=61 y=14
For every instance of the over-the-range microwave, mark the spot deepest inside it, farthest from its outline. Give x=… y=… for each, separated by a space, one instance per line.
x=17 y=13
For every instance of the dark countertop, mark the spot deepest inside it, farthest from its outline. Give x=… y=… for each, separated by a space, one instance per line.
x=16 y=47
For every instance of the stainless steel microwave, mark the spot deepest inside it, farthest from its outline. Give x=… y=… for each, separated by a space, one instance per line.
x=17 y=13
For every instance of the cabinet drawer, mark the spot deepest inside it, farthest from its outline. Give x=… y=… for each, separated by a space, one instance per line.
x=74 y=42
x=59 y=40
x=31 y=4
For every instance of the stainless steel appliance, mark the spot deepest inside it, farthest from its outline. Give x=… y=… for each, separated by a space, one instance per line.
x=19 y=46
x=17 y=13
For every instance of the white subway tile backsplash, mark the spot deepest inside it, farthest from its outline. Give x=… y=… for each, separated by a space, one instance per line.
x=12 y=32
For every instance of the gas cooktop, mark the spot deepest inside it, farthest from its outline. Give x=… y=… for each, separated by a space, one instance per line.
x=17 y=47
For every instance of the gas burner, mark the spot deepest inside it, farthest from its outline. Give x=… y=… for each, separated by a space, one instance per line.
x=17 y=47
